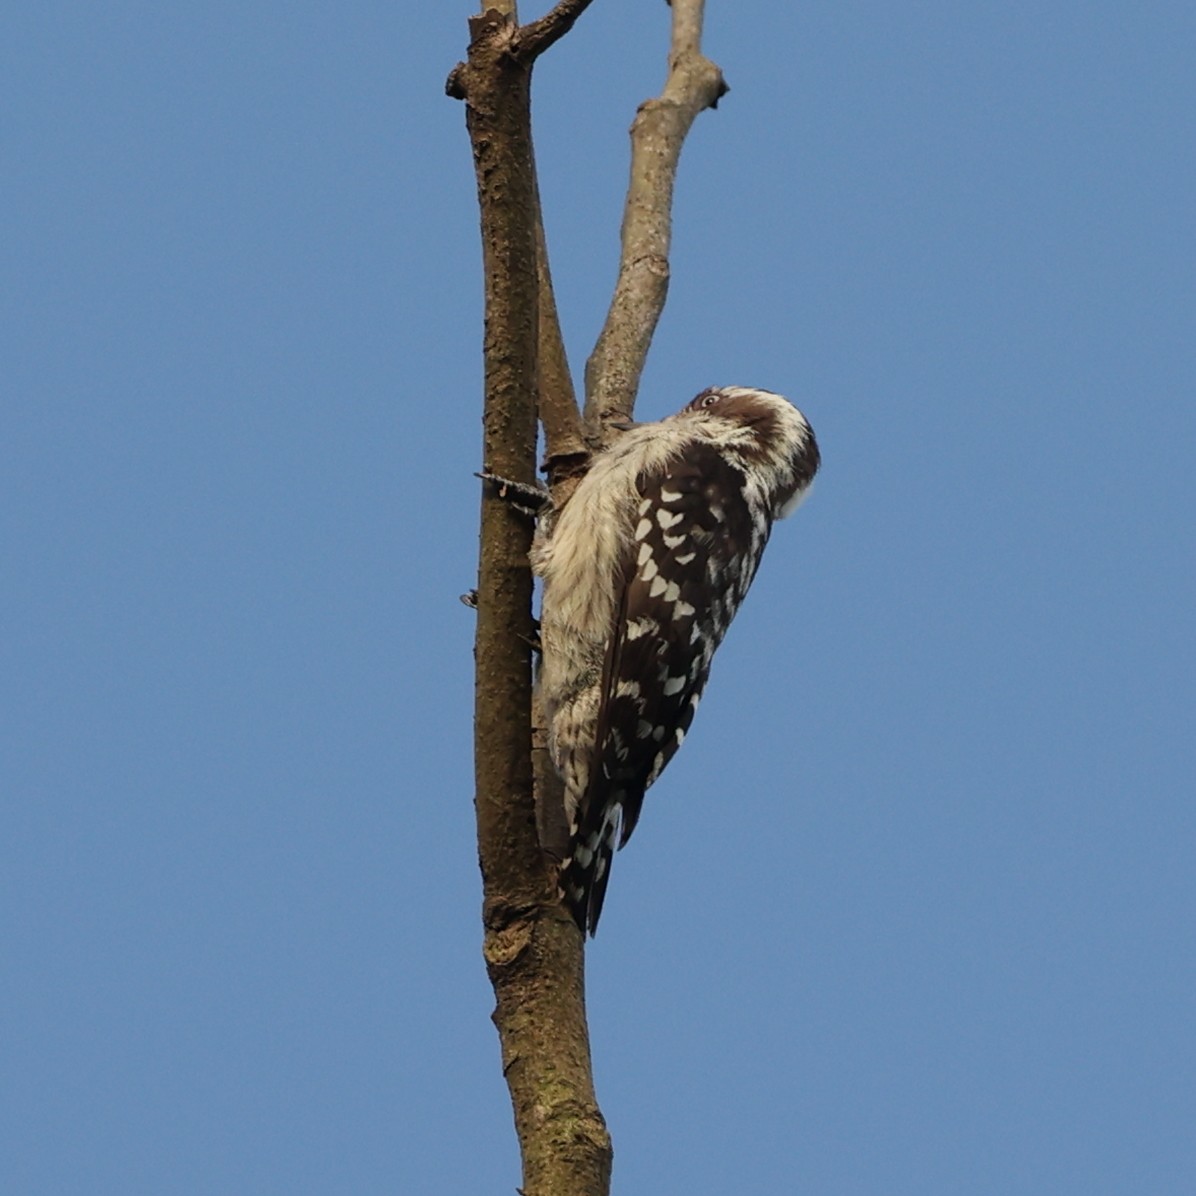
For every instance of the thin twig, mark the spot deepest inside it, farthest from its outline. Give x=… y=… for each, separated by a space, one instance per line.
x=536 y=36
x=565 y=450
x=657 y=135
x=564 y=446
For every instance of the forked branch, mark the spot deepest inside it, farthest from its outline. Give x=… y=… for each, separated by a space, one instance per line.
x=534 y=954
x=536 y=36
x=533 y=950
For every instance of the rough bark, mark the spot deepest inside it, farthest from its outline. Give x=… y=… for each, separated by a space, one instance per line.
x=533 y=950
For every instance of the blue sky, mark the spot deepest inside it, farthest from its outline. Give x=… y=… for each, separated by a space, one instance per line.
x=913 y=910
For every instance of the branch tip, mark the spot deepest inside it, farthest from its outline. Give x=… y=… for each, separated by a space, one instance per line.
x=537 y=36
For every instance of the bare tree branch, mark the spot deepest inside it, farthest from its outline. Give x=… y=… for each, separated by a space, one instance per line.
x=533 y=950
x=657 y=134
x=536 y=36
x=565 y=454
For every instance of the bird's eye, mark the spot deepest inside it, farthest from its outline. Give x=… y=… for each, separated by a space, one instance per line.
x=710 y=400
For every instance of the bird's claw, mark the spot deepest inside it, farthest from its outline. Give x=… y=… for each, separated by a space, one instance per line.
x=528 y=499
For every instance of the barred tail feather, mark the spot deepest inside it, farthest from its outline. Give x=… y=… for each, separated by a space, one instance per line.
x=586 y=873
